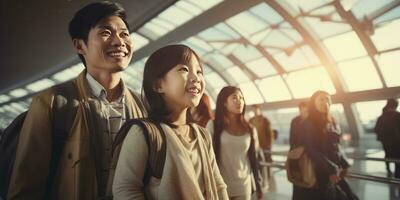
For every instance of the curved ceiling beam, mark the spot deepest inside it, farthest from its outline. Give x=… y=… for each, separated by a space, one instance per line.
x=310 y=39
x=209 y=18
x=364 y=38
x=325 y=58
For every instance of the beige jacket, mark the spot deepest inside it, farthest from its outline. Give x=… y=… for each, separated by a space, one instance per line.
x=76 y=174
x=179 y=179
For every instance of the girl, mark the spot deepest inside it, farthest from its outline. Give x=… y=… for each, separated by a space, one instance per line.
x=236 y=145
x=320 y=136
x=172 y=83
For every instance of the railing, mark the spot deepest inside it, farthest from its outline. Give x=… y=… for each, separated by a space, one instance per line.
x=354 y=175
x=282 y=153
x=374 y=159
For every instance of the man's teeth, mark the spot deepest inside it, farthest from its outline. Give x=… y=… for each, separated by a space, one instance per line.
x=117 y=54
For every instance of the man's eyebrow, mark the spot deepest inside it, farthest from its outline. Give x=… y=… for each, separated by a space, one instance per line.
x=110 y=28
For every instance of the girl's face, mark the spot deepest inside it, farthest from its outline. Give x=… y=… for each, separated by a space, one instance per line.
x=235 y=103
x=323 y=103
x=183 y=85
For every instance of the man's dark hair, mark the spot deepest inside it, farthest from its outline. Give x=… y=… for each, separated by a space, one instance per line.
x=88 y=17
x=391 y=104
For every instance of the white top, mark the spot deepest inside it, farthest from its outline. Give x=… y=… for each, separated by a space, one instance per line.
x=235 y=165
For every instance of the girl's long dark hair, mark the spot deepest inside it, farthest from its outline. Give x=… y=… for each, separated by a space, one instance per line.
x=317 y=118
x=157 y=66
x=221 y=117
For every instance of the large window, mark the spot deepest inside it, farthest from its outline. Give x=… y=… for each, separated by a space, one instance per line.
x=368 y=113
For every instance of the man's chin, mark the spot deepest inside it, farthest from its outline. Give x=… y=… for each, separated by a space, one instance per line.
x=118 y=68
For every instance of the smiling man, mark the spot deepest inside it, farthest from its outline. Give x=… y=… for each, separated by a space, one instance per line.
x=67 y=147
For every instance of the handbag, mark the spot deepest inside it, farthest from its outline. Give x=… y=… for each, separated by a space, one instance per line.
x=300 y=168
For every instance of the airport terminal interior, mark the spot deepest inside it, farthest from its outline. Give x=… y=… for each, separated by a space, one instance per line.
x=279 y=52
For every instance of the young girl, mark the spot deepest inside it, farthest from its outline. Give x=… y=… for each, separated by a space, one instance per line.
x=236 y=145
x=172 y=83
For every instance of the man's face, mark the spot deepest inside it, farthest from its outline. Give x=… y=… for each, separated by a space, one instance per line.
x=108 y=48
x=256 y=110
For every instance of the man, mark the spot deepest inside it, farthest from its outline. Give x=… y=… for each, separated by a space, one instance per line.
x=101 y=103
x=296 y=123
x=264 y=130
x=388 y=133
x=265 y=137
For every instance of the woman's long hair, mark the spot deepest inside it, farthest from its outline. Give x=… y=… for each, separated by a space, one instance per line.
x=204 y=111
x=319 y=119
x=221 y=117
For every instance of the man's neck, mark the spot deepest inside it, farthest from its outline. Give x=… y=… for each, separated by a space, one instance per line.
x=110 y=82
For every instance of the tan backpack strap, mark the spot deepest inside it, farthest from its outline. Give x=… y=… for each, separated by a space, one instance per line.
x=156 y=143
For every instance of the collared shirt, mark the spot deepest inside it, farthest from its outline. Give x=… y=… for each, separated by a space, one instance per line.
x=113 y=111
x=112 y=117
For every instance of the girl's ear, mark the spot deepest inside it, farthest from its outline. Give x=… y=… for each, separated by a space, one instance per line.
x=157 y=87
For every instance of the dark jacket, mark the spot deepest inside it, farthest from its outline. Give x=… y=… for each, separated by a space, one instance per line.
x=388 y=132
x=254 y=157
x=325 y=152
x=295 y=131
x=328 y=160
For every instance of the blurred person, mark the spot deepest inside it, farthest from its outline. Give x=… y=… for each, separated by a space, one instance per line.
x=296 y=123
x=320 y=136
x=266 y=135
x=387 y=129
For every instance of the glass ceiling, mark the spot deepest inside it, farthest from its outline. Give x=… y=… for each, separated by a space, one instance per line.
x=278 y=51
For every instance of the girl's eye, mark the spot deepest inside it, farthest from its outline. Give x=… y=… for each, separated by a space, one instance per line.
x=125 y=34
x=200 y=72
x=184 y=69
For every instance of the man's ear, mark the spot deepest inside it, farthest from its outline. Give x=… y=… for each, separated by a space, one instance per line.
x=79 y=46
x=157 y=87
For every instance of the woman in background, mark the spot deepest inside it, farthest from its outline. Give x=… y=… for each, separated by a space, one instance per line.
x=320 y=136
x=236 y=146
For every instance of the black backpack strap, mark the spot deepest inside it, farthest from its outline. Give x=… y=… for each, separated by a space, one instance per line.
x=8 y=145
x=156 y=143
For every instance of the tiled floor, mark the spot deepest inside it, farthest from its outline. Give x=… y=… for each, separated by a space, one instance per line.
x=281 y=189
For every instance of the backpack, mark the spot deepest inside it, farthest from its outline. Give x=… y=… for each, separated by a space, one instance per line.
x=64 y=113
x=156 y=143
